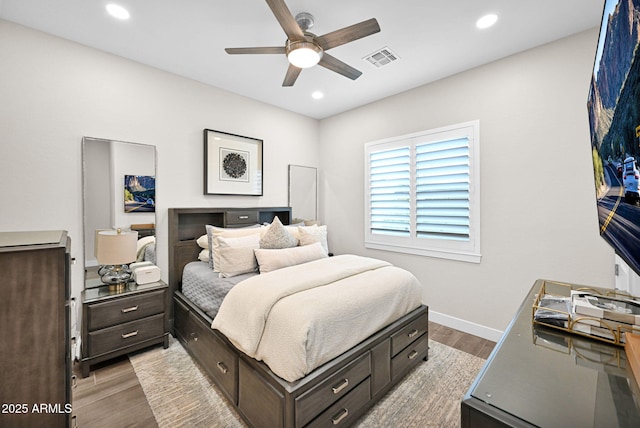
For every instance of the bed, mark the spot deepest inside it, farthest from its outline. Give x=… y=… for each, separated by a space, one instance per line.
x=326 y=393
x=146 y=246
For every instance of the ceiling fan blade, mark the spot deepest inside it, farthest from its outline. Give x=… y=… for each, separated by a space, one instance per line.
x=348 y=34
x=257 y=50
x=286 y=20
x=292 y=74
x=339 y=67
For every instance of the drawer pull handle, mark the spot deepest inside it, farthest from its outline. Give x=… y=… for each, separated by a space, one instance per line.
x=194 y=337
x=222 y=367
x=337 y=418
x=343 y=385
x=128 y=335
x=412 y=333
x=131 y=309
x=413 y=354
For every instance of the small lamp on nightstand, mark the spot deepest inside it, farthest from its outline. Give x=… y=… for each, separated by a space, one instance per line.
x=114 y=250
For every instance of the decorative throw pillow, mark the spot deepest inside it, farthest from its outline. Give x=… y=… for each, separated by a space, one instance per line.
x=214 y=232
x=277 y=237
x=312 y=234
x=237 y=256
x=270 y=260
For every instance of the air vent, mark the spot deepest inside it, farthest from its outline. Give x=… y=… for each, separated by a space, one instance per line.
x=381 y=57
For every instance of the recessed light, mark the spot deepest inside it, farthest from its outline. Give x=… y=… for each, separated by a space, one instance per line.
x=487 y=21
x=317 y=95
x=117 y=11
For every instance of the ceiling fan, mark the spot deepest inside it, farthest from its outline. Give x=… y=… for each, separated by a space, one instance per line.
x=305 y=49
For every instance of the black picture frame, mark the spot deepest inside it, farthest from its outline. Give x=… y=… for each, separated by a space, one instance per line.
x=232 y=164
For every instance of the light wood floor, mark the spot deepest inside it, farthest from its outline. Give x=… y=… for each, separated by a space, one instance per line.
x=111 y=396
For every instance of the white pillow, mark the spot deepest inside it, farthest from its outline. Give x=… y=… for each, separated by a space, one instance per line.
x=312 y=234
x=203 y=255
x=270 y=260
x=214 y=232
x=277 y=237
x=203 y=242
x=237 y=256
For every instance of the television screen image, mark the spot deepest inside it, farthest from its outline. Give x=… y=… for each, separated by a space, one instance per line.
x=614 y=119
x=139 y=193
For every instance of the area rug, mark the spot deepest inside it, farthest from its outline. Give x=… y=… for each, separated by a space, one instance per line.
x=181 y=395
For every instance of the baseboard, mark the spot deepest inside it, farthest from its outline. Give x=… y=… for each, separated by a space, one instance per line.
x=465 y=326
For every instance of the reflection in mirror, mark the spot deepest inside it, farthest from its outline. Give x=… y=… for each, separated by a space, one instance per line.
x=303 y=192
x=118 y=178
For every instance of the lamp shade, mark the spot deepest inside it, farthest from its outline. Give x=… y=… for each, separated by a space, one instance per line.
x=114 y=247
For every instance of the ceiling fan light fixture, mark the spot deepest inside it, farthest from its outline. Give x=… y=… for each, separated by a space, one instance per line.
x=303 y=54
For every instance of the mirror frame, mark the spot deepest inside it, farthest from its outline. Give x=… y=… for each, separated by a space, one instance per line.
x=108 y=187
x=303 y=191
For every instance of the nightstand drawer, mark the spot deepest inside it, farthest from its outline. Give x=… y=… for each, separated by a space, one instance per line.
x=121 y=336
x=409 y=334
x=118 y=311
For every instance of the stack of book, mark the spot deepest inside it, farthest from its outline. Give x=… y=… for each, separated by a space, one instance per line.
x=605 y=317
x=590 y=314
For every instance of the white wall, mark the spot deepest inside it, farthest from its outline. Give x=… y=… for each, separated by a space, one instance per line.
x=53 y=92
x=539 y=216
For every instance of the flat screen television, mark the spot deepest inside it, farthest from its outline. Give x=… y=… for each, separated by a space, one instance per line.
x=614 y=119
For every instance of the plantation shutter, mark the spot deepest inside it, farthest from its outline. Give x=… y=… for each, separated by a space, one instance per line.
x=442 y=190
x=422 y=193
x=390 y=191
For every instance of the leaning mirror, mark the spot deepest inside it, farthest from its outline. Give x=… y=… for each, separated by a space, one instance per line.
x=303 y=192
x=118 y=192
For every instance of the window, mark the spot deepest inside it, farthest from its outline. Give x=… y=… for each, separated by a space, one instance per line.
x=422 y=193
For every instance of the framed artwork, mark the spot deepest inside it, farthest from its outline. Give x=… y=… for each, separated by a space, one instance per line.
x=232 y=164
x=139 y=194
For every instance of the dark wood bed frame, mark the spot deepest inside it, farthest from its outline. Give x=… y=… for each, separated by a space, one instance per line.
x=335 y=394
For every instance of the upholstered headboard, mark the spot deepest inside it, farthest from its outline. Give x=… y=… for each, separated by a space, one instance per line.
x=186 y=225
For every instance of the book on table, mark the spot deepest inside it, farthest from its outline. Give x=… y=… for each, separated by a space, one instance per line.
x=626 y=311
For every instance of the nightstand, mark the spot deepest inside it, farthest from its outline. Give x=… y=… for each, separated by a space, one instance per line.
x=114 y=324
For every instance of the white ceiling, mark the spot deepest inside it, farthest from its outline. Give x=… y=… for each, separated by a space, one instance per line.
x=433 y=39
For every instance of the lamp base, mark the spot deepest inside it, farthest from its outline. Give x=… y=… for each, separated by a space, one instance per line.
x=117 y=288
x=116 y=277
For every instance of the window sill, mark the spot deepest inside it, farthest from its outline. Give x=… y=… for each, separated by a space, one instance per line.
x=440 y=254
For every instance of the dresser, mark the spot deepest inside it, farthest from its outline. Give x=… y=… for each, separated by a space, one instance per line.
x=35 y=375
x=117 y=323
x=538 y=376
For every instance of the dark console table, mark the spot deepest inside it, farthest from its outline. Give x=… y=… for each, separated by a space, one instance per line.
x=543 y=377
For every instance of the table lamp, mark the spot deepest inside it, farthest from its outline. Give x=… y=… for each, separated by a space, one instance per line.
x=114 y=250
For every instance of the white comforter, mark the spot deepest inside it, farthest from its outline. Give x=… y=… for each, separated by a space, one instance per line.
x=297 y=318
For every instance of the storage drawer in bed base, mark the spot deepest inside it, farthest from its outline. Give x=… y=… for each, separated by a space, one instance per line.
x=265 y=400
x=219 y=361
